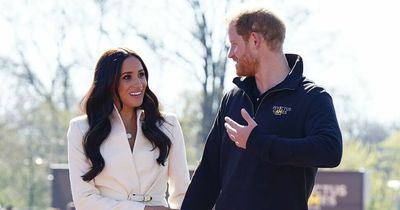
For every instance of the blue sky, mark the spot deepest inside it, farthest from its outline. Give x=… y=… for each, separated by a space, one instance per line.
x=359 y=63
x=363 y=59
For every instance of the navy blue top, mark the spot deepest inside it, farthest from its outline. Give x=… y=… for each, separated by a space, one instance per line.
x=297 y=133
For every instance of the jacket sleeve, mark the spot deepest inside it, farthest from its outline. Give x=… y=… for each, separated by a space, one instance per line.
x=178 y=172
x=85 y=194
x=205 y=185
x=321 y=146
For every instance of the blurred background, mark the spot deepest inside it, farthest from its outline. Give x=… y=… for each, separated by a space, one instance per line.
x=48 y=50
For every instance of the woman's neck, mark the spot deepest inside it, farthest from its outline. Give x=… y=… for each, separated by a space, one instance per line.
x=129 y=117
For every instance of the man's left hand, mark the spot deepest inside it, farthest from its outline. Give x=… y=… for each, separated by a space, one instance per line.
x=239 y=134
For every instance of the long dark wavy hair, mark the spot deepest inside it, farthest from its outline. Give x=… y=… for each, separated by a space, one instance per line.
x=98 y=104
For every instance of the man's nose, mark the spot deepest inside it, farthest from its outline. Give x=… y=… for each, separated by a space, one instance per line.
x=230 y=53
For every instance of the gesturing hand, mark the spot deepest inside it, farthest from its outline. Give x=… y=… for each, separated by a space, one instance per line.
x=239 y=134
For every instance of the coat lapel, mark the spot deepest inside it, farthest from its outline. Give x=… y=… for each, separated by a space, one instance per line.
x=134 y=168
x=117 y=153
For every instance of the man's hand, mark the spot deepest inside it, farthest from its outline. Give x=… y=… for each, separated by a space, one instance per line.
x=239 y=134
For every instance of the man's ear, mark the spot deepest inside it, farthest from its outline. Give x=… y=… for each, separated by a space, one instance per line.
x=255 y=39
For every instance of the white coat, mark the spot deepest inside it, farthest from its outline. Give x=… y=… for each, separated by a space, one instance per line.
x=127 y=176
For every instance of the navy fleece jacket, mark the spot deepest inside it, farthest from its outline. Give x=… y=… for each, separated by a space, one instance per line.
x=297 y=133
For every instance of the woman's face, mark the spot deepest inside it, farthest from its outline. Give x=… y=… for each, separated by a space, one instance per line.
x=132 y=83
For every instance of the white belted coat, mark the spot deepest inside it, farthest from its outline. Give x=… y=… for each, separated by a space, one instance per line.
x=129 y=178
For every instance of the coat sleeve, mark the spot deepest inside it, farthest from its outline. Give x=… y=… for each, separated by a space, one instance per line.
x=85 y=194
x=178 y=172
x=321 y=146
x=205 y=186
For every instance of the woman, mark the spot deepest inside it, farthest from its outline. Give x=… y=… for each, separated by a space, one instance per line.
x=123 y=152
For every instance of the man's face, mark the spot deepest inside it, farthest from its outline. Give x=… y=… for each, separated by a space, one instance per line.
x=246 y=62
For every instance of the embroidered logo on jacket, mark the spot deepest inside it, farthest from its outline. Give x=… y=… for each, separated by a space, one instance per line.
x=280 y=110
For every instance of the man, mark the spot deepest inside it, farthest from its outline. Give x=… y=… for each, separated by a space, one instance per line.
x=271 y=132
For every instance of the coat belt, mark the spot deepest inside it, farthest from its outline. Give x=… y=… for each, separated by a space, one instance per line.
x=140 y=197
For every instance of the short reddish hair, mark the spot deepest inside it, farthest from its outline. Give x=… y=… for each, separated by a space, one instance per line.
x=262 y=21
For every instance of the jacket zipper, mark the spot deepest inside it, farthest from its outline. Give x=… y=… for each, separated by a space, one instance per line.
x=252 y=105
x=262 y=99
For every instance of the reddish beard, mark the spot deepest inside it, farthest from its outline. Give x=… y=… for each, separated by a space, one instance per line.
x=247 y=65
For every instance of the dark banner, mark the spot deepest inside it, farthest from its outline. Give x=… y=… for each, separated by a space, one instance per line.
x=61 y=189
x=338 y=191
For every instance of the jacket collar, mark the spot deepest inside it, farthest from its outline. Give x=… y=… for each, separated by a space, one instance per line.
x=292 y=80
x=116 y=117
